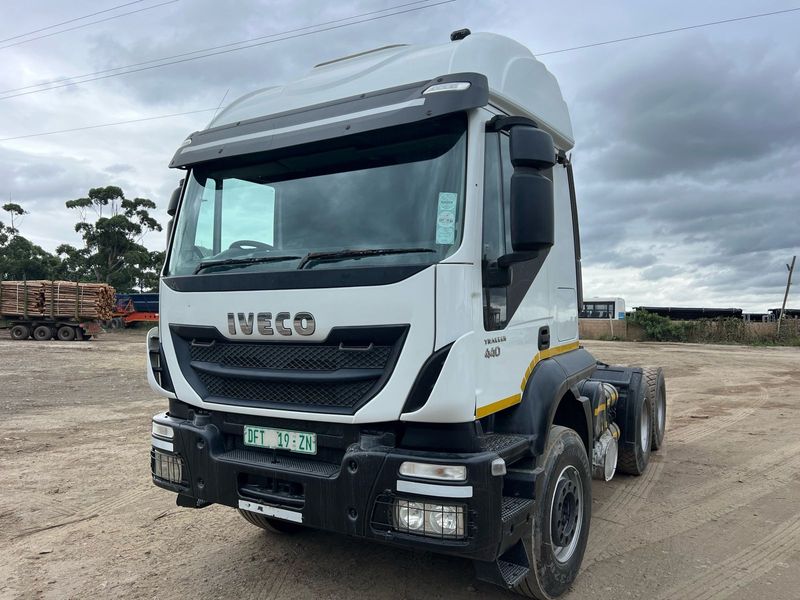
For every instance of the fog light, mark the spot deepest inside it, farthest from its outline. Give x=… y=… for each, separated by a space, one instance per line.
x=163 y=431
x=428 y=471
x=168 y=467
x=433 y=520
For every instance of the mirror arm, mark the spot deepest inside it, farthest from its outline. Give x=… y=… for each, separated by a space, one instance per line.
x=497 y=276
x=500 y=123
x=507 y=260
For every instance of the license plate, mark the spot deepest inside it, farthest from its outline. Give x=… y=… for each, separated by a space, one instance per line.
x=282 y=439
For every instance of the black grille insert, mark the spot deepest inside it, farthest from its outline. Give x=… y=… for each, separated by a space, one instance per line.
x=338 y=375
x=302 y=357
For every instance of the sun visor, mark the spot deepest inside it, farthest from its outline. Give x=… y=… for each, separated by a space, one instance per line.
x=366 y=112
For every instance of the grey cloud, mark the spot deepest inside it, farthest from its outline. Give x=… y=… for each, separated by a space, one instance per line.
x=120 y=168
x=687 y=154
x=657 y=272
x=702 y=105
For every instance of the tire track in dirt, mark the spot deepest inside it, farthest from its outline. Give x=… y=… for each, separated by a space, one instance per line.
x=693 y=432
x=711 y=500
x=742 y=568
x=631 y=493
x=113 y=504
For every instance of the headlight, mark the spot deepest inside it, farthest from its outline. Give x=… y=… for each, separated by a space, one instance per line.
x=410 y=515
x=168 y=467
x=434 y=520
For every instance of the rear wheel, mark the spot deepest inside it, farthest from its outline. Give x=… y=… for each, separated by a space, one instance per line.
x=42 y=333
x=269 y=523
x=560 y=530
x=66 y=333
x=657 y=396
x=634 y=456
x=20 y=332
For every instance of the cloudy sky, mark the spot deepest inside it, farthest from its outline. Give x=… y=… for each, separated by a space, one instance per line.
x=688 y=144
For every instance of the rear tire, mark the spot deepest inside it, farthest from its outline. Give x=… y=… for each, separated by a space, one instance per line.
x=560 y=529
x=42 y=333
x=20 y=332
x=66 y=333
x=270 y=524
x=657 y=396
x=634 y=457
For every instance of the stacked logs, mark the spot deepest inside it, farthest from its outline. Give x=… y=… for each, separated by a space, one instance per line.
x=57 y=299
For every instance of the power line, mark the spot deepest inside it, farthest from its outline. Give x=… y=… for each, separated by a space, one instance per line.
x=228 y=45
x=82 y=25
x=381 y=17
x=30 y=135
x=666 y=31
x=216 y=52
x=94 y=14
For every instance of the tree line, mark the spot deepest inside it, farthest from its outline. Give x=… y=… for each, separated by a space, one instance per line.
x=112 y=228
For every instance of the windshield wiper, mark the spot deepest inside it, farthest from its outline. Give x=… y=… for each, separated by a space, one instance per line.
x=357 y=253
x=240 y=262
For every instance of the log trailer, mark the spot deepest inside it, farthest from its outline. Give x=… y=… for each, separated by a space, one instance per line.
x=369 y=316
x=45 y=310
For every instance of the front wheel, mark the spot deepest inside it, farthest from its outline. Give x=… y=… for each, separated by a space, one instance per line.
x=269 y=523
x=561 y=520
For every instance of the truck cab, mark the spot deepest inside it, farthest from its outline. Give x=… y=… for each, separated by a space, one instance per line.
x=369 y=315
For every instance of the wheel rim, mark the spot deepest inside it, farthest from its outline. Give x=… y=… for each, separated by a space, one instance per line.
x=566 y=514
x=644 y=426
x=661 y=413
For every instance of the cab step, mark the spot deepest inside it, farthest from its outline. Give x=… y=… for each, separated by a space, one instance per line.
x=516 y=510
x=508 y=570
x=510 y=447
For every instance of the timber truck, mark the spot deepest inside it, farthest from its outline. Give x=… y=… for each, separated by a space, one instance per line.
x=369 y=316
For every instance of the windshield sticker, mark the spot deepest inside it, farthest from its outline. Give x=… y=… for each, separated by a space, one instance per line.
x=446 y=218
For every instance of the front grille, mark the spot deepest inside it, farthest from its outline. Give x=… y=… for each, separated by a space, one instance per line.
x=338 y=375
x=324 y=395
x=304 y=357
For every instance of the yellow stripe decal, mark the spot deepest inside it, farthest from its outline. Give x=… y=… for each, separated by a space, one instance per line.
x=498 y=406
x=494 y=407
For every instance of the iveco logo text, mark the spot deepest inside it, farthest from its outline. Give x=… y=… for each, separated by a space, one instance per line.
x=303 y=323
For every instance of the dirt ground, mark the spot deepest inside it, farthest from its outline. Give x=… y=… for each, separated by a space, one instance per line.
x=716 y=515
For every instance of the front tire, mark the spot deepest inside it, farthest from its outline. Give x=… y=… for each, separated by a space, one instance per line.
x=560 y=530
x=269 y=523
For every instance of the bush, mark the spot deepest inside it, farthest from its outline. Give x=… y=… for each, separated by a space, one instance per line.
x=658 y=328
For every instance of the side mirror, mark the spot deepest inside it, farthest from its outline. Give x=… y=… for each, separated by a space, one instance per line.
x=532 y=203
x=532 y=212
x=172 y=207
x=531 y=148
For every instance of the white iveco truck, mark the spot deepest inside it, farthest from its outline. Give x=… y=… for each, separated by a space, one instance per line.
x=369 y=316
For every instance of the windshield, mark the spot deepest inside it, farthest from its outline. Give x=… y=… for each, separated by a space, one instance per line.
x=391 y=197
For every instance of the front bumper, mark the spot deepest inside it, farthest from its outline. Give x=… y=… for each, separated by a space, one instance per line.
x=354 y=494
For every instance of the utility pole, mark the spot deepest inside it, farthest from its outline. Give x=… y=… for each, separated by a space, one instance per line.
x=786 y=294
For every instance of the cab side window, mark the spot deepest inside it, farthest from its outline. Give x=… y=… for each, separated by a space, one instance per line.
x=496 y=227
x=503 y=289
